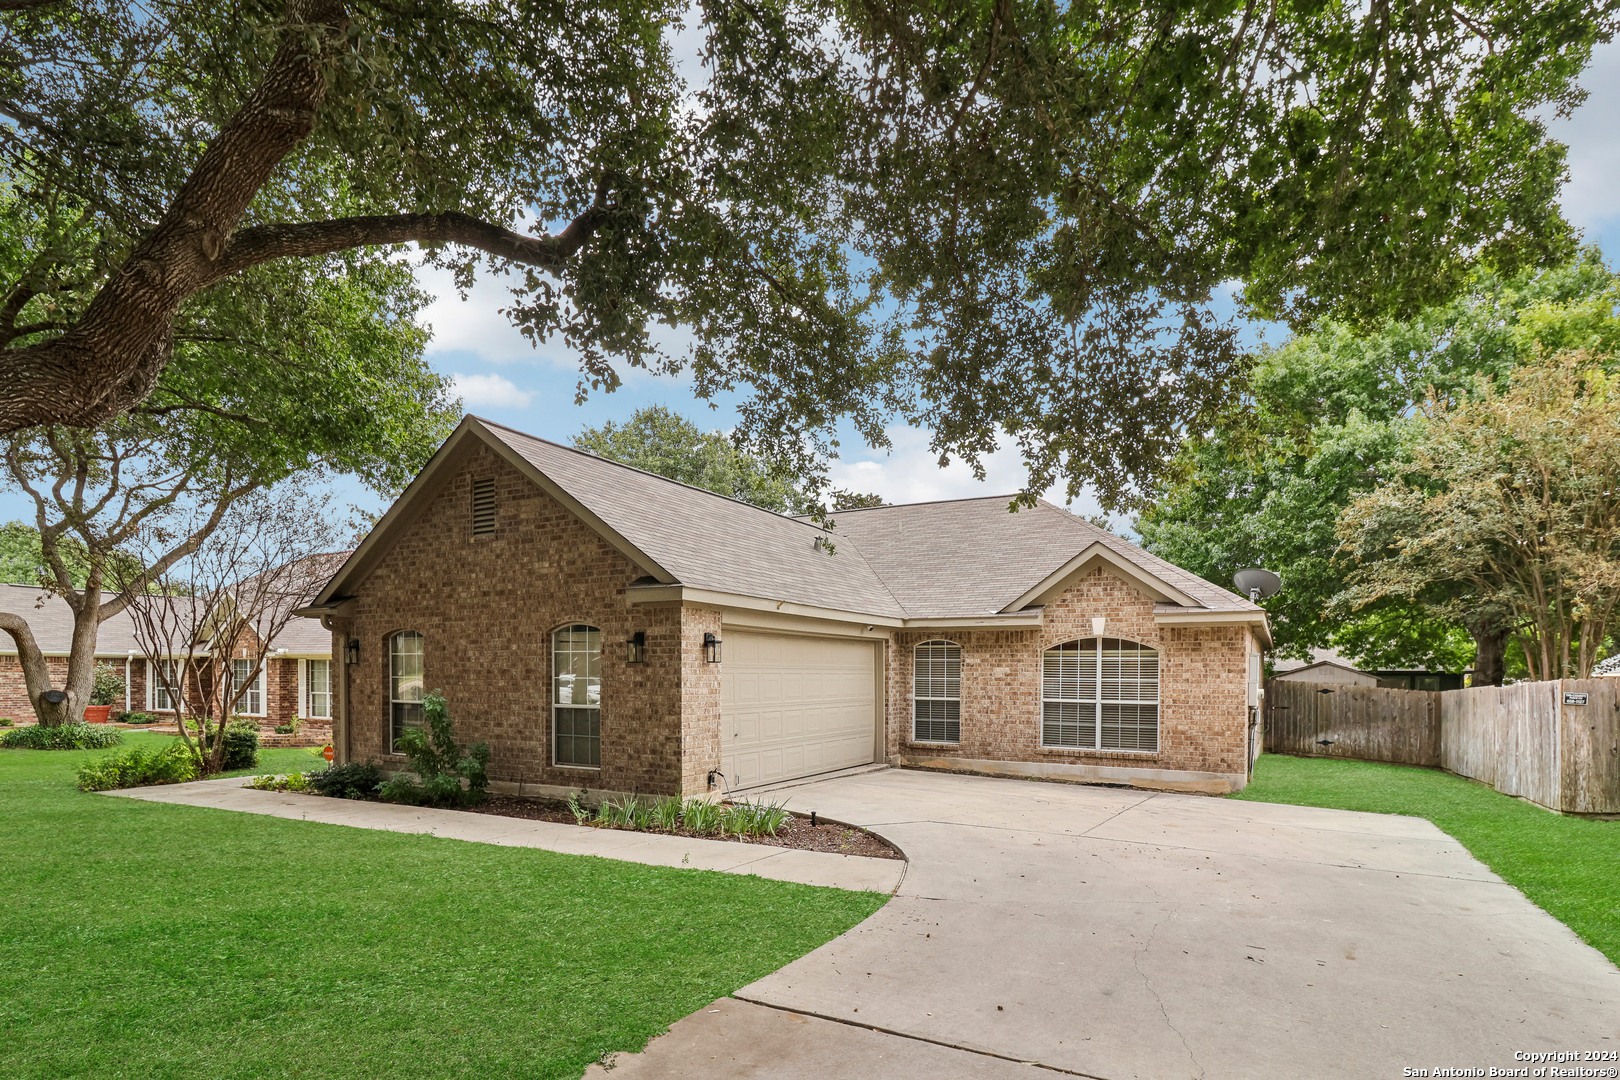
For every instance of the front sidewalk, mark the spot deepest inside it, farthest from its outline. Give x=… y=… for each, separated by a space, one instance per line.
x=727 y=857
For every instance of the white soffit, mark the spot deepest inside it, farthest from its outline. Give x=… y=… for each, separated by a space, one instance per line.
x=1095 y=555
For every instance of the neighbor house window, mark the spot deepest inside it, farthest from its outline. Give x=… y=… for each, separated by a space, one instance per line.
x=318 y=689
x=251 y=703
x=404 y=684
x=483 y=507
x=576 y=677
x=936 y=684
x=165 y=677
x=1100 y=694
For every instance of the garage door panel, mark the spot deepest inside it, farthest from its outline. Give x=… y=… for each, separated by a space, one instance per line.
x=795 y=706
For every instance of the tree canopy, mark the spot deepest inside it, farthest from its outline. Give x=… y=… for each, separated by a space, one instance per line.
x=1000 y=219
x=1330 y=416
x=663 y=442
x=1511 y=500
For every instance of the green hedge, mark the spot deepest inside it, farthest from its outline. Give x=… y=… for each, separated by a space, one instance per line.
x=79 y=736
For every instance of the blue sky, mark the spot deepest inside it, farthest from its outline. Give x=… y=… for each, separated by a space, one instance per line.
x=502 y=377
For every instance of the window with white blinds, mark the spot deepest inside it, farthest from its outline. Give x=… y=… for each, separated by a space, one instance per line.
x=318 y=689
x=483 y=507
x=936 y=686
x=1100 y=694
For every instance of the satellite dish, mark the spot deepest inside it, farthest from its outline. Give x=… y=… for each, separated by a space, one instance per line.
x=1257 y=584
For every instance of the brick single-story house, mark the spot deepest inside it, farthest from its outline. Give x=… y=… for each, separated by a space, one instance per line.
x=294 y=681
x=608 y=629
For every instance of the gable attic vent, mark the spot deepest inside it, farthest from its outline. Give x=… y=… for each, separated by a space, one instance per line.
x=483 y=507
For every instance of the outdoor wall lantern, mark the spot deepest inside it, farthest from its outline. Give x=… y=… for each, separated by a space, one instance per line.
x=711 y=648
x=351 y=651
x=635 y=647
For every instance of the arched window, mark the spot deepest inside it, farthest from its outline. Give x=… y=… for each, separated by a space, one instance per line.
x=936 y=699
x=576 y=696
x=1100 y=694
x=404 y=684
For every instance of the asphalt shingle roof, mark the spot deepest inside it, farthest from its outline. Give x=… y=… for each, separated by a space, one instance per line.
x=708 y=541
x=964 y=558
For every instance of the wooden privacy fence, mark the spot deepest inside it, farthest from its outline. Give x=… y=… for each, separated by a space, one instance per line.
x=1369 y=723
x=1536 y=741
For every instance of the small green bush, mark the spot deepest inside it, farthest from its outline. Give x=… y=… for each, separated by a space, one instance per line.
x=293 y=781
x=241 y=745
x=753 y=818
x=79 y=736
x=448 y=775
x=139 y=766
x=108 y=686
x=6 y=721
x=666 y=814
x=701 y=816
x=351 y=780
x=139 y=718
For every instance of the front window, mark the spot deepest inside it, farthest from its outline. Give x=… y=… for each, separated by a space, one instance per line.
x=1100 y=694
x=404 y=684
x=165 y=684
x=936 y=683
x=318 y=679
x=250 y=703
x=576 y=674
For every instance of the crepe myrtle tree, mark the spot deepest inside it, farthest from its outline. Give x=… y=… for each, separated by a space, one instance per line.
x=210 y=620
x=997 y=219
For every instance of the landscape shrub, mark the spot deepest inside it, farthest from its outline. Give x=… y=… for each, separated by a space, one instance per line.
x=139 y=718
x=351 y=780
x=753 y=818
x=78 y=736
x=293 y=781
x=695 y=815
x=139 y=766
x=446 y=774
x=6 y=721
x=108 y=686
x=241 y=745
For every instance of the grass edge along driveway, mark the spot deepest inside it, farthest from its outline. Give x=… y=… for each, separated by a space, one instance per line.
x=1567 y=866
x=148 y=940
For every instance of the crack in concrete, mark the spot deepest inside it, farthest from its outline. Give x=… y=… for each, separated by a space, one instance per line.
x=1136 y=962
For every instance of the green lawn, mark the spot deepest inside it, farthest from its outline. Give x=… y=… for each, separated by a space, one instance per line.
x=1568 y=866
x=145 y=940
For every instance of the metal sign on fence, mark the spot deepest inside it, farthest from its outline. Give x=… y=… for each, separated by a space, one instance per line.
x=1574 y=699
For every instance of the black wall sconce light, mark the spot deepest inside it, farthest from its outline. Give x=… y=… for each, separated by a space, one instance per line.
x=351 y=651
x=635 y=647
x=711 y=648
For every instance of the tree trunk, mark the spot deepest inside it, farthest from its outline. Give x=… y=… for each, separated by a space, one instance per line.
x=1490 y=644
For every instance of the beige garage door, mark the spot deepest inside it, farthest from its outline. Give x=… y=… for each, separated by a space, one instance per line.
x=795 y=706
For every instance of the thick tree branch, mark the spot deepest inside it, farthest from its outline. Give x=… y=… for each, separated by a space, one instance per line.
x=262 y=243
x=112 y=357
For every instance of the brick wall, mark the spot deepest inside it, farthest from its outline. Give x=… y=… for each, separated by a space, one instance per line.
x=1203 y=714
x=701 y=741
x=487 y=607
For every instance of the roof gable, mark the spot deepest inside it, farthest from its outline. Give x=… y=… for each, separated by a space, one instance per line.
x=968 y=558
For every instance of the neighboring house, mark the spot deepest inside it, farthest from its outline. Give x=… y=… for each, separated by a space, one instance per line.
x=295 y=680
x=1607 y=669
x=605 y=628
x=1327 y=666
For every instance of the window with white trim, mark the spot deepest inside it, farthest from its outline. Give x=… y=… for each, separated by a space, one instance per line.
x=318 y=689
x=576 y=710
x=250 y=703
x=164 y=678
x=936 y=692
x=1100 y=694
x=404 y=685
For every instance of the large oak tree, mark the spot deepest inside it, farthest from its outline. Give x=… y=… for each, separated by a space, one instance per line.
x=986 y=216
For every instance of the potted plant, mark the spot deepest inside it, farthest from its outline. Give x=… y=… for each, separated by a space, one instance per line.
x=104 y=692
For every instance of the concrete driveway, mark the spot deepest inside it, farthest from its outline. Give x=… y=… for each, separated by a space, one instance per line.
x=1115 y=933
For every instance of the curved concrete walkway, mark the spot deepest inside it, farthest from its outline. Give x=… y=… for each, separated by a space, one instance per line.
x=1114 y=933
x=725 y=856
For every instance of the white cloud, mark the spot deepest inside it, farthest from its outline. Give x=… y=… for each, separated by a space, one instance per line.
x=491 y=390
x=910 y=473
x=1591 y=198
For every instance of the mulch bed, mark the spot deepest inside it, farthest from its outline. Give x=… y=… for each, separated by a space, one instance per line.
x=797 y=833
